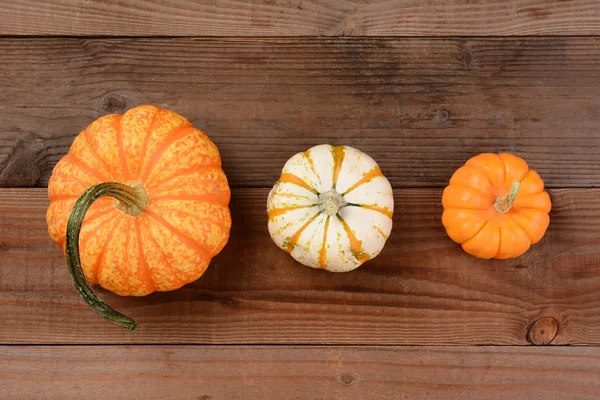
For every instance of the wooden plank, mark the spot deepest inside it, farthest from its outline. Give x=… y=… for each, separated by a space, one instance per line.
x=299 y=18
x=421 y=107
x=422 y=289
x=319 y=373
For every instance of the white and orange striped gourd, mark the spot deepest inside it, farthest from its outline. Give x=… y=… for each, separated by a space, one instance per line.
x=331 y=208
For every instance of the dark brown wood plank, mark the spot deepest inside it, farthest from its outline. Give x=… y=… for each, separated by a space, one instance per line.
x=421 y=107
x=299 y=18
x=422 y=289
x=316 y=373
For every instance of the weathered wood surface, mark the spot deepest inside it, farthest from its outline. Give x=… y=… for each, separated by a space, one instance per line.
x=299 y=18
x=316 y=373
x=249 y=75
x=421 y=107
x=422 y=289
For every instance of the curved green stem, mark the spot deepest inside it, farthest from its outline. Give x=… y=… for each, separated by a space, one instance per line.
x=503 y=204
x=131 y=198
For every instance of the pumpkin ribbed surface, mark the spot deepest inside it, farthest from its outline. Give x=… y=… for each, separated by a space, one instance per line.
x=495 y=206
x=186 y=221
x=331 y=208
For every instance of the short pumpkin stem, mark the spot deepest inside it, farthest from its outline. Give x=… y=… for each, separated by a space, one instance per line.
x=504 y=203
x=331 y=202
x=130 y=197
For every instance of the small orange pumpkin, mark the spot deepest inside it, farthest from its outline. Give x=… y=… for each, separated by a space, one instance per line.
x=169 y=215
x=495 y=206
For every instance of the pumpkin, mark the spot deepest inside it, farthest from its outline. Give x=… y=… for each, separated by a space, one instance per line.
x=166 y=215
x=331 y=208
x=495 y=206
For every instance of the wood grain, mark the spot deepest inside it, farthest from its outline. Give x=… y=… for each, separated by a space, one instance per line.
x=422 y=289
x=316 y=373
x=299 y=18
x=421 y=107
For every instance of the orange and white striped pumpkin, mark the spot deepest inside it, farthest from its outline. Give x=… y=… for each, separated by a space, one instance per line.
x=331 y=208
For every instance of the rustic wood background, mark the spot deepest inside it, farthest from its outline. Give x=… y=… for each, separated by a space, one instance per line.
x=420 y=86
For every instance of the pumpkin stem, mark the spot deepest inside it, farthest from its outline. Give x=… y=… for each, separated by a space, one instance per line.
x=331 y=202
x=504 y=203
x=130 y=197
x=140 y=202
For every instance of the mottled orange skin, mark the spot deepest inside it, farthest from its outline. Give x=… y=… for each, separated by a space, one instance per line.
x=470 y=218
x=187 y=220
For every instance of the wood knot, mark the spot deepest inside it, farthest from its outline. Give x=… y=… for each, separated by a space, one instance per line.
x=230 y=303
x=543 y=331
x=114 y=103
x=21 y=168
x=443 y=115
x=466 y=59
x=347 y=379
